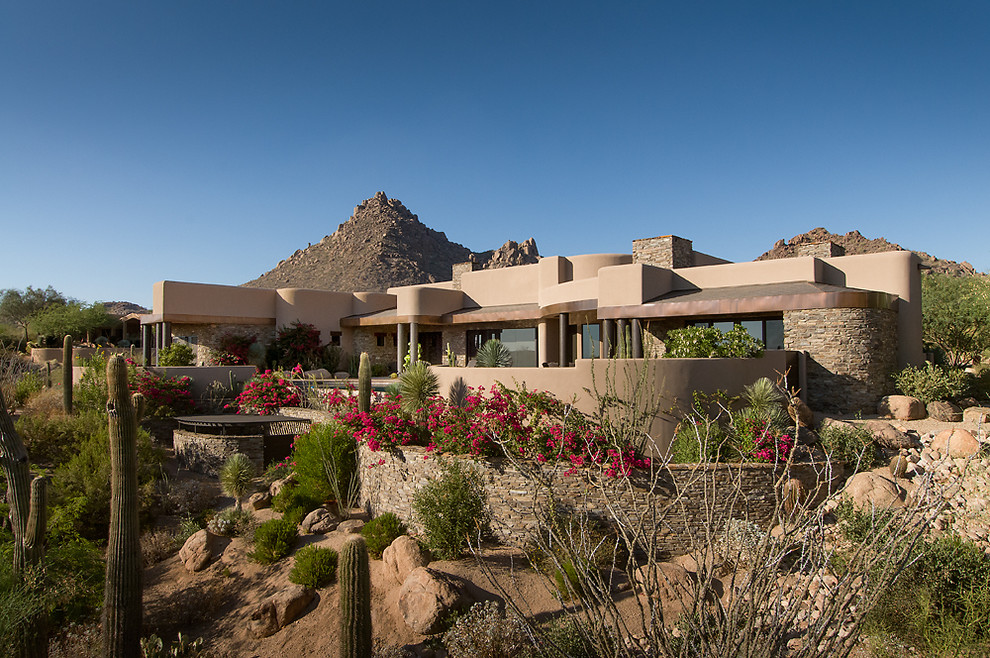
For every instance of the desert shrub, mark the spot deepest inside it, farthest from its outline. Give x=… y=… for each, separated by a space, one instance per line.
x=164 y=396
x=486 y=632
x=709 y=342
x=494 y=354
x=55 y=439
x=568 y=637
x=231 y=522
x=451 y=509
x=325 y=460
x=153 y=647
x=851 y=445
x=157 y=545
x=299 y=343
x=265 y=393
x=90 y=393
x=19 y=604
x=417 y=384
x=176 y=354
x=233 y=350
x=381 y=531
x=26 y=385
x=702 y=436
x=931 y=382
x=295 y=502
x=273 y=540
x=236 y=476
x=314 y=567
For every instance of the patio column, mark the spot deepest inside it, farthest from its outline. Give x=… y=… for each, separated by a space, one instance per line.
x=146 y=344
x=401 y=343
x=620 y=341
x=607 y=342
x=413 y=342
x=167 y=334
x=542 y=343
x=637 y=339
x=562 y=324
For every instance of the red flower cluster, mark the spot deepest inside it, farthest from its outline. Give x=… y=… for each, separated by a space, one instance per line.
x=165 y=396
x=233 y=350
x=767 y=447
x=265 y=393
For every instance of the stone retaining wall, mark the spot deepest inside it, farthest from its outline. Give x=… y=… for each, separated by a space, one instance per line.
x=206 y=453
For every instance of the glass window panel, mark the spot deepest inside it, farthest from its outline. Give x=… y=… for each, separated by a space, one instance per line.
x=522 y=345
x=775 y=334
x=724 y=327
x=754 y=328
x=590 y=346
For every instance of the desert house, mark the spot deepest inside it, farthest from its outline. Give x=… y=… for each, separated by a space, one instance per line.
x=839 y=325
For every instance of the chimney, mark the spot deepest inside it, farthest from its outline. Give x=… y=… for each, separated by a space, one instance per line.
x=825 y=249
x=457 y=270
x=668 y=251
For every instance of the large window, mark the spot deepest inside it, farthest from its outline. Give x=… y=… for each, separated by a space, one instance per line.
x=770 y=331
x=521 y=343
x=590 y=337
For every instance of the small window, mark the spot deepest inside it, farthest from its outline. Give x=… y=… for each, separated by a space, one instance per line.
x=380 y=339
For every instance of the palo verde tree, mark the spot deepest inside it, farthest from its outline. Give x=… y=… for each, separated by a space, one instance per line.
x=955 y=316
x=18 y=307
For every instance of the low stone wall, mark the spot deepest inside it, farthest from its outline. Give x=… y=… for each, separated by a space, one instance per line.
x=206 y=453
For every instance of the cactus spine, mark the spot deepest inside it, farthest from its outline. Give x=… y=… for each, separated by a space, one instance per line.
x=67 y=374
x=122 y=589
x=364 y=384
x=355 y=600
x=28 y=515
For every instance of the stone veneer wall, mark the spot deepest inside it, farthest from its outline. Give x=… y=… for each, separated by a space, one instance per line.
x=667 y=251
x=208 y=336
x=206 y=453
x=821 y=249
x=366 y=341
x=851 y=355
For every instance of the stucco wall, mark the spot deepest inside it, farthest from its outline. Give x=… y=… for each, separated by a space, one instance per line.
x=851 y=355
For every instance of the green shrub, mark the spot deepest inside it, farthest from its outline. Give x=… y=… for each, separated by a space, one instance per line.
x=273 y=540
x=932 y=382
x=701 y=435
x=381 y=531
x=90 y=393
x=486 y=632
x=231 y=522
x=314 y=567
x=28 y=384
x=19 y=604
x=451 y=509
x=176 y=354
x=55 y=439
x=710 y=342
x=326 y=463
x=852 y=445
x=295 y=502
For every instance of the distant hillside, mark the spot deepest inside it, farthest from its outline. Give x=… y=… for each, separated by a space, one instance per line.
x=855 y=243
x=384 y=245
x=120 y=309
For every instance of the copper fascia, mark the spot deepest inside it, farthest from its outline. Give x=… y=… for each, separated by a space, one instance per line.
x=187 y=318
x=389 y=321
x=747 y=305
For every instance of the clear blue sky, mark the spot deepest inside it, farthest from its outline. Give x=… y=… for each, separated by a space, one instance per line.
x=205 y=141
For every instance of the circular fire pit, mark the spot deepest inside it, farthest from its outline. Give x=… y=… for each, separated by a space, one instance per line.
x=203 y=443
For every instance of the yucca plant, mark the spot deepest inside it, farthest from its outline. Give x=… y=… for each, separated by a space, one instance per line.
x=417 y=384
x=235 y=477
x=494 y=354
x=766 y=402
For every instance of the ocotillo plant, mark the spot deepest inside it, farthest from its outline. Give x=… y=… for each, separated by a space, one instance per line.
x=67 y=374
x=364 y=384
x=28 y=513
x=355 y=599
x=122 y=589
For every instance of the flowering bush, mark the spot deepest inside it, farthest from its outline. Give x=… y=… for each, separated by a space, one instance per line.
x=234 y=350
x=265 y=393
x=164 y=396
x=712 y=343
x=758 y=442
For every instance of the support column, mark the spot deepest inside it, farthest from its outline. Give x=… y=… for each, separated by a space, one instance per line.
x=146 y=338
x=542 y=343
x=401 y=343
x=413 y=342
x=564 y=343
x=637 y=339
x=608 y=342
x=167 y=334
x=622 y=352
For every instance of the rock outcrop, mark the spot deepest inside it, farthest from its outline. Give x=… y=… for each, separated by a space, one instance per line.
x=384 y=245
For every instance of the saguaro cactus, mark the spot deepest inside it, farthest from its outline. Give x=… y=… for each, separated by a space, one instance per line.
x=67 y=374
x=122 y=589
x=364 y=384
x=28 y=514
x=355 y=599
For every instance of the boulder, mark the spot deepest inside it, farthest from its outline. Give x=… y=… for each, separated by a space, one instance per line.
x=197 y=552
x=277 y=486
x=259 y=500
x=428 y=597
x=801 y=412
x=977 y=415
x=888 y=436
x=404 y=555
x=319 y=373
x=945 y=412
x=280 y=610
x=967 y=402
x=901 y=407
x=320 y=521
x=955 y=443
x=351 y=526
x=869 y=489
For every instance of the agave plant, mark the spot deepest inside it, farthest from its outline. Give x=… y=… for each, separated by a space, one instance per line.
x=494 y=354
x=417 y=384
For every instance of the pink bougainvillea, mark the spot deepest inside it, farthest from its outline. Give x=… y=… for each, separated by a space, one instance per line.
x=265 y=393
